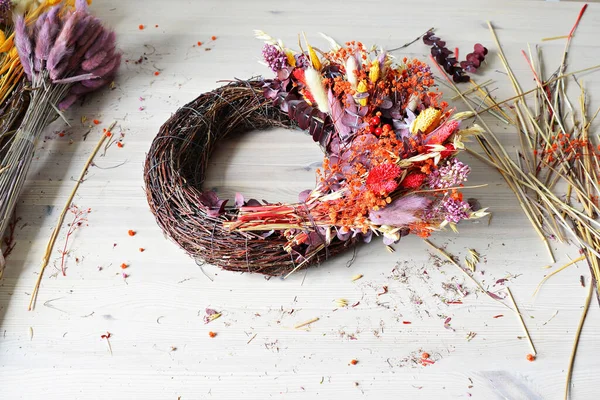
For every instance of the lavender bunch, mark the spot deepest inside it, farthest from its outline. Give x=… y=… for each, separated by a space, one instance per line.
x=65 y=54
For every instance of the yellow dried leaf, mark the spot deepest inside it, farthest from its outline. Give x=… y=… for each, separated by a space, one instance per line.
x=290 y=57
x=314 y=59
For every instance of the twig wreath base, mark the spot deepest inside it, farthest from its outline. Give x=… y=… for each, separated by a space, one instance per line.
x=175 y=170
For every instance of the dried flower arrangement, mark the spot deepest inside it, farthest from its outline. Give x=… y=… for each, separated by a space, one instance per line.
x=64 y=53
x=390 y=165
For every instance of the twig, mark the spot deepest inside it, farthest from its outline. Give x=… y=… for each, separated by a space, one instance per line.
x=586 y=307
x=310 y=321
x=411 y=42
x=252 y=338
x=556 y=272
x=61 y=219
x=512 y=299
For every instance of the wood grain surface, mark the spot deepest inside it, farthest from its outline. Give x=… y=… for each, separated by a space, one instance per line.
x=161 y=347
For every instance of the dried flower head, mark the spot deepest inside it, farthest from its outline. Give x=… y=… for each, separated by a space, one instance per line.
x=456 y=210
x=382 y=178
x=274 y=57
x=452 y=174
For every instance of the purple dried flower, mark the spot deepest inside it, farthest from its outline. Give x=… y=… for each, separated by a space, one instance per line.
x=68 y=47
x=456 y=210
x=302 y=61
x=452 y=174
x=5 y=7
x=106 y=39
x=23 y=44
x=275 y=58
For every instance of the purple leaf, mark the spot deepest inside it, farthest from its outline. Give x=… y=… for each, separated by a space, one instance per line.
x=304 y=195
x=401 y=212
x=480 y=49
x=337 y=114
x=239 y=200
x=447 y=323
x=214 y=205
x=494 y=296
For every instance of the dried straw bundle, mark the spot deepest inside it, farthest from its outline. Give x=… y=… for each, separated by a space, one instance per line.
x=65 y=54
x=175 y=170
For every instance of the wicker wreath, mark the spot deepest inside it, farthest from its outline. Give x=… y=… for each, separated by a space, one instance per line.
x=175 y=171
x=389 y=165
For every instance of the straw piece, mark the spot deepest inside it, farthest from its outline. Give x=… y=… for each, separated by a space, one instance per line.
x=556 y=272
x=555 y=38
x=61 y=219
x=586 y=307
x=512 y=299
x=310 y=321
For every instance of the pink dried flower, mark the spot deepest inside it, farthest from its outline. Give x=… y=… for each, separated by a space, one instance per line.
x=456 y=210
x=274 y=57
x=452 y=174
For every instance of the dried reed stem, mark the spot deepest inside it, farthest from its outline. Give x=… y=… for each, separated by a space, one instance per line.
x=512 y=299
x=586 y=307
x=556 y=272
x=302 y=324
x=61 y=218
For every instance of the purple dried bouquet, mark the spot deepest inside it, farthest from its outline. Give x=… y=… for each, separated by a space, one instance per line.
x=65 y=54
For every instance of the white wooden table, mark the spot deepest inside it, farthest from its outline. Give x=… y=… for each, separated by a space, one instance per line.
x=161 y=348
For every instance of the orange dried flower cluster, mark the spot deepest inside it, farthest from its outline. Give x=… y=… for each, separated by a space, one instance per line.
x=387 y=136
x=563 y=148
